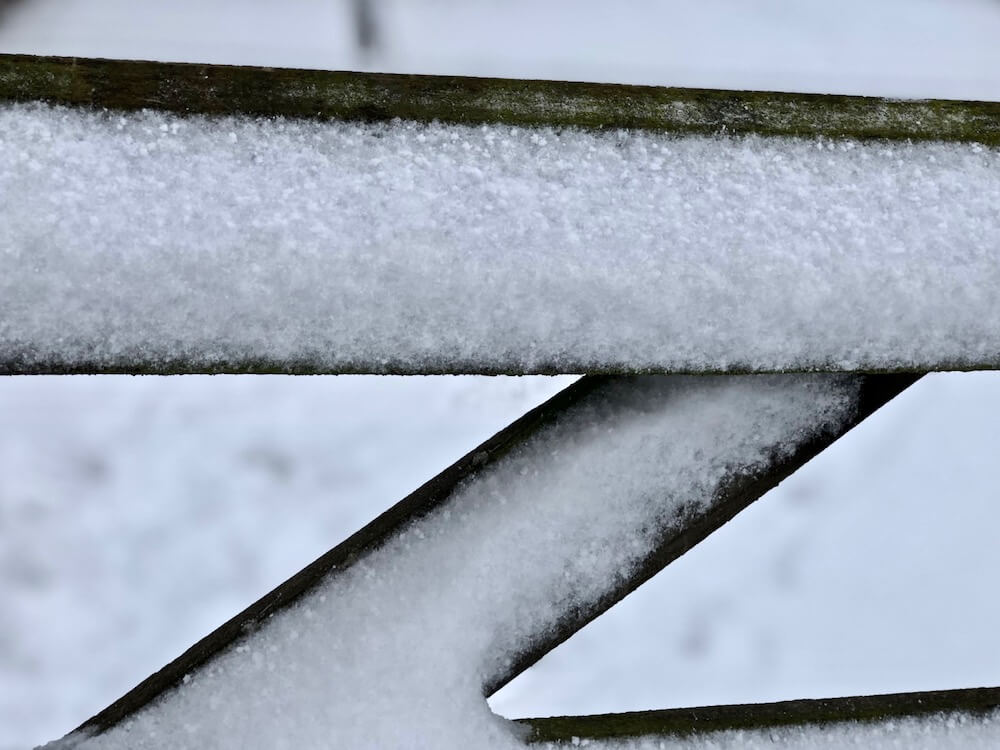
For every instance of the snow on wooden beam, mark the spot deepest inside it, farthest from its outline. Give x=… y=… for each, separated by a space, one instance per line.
x=410 y=509
x=679 y=722
x=203 y=238
x=494 y=562
x=186 y=88
x=692 y=522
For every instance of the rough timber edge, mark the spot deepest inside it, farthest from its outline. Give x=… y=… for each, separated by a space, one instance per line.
x=973 y=702
x=690 y=528
x=187 y=88
x=17 y=361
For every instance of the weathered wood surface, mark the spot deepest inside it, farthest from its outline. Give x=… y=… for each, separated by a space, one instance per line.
x=230 y=90
x=675 y=538
x=687 y=721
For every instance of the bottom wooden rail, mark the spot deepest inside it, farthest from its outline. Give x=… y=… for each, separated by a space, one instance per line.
x=686 y=721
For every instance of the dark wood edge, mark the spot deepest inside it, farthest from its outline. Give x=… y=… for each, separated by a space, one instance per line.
x=687 y=721
x=189 y=88
x=20 y=364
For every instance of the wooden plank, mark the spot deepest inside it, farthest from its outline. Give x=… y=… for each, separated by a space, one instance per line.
x=678 y=534
x=688 y=721
x=234 y=90
x=221 y=90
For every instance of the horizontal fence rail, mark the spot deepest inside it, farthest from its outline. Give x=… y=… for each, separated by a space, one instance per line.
x=761 y=716
x=372 y=231
x=233 y=90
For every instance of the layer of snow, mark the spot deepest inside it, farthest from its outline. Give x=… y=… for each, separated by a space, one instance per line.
x=393 y=652
x=940 y=732
x=145 y=239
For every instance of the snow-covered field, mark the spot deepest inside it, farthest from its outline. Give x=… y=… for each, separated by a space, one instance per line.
x=137 y=514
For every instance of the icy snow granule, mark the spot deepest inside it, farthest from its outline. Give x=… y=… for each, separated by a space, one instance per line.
x=149 y=239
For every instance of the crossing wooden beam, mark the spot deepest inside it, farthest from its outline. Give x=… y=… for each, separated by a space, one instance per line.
x=417 y=504
x=675 y=535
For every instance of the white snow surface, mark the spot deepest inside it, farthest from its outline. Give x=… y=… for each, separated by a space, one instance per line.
x=393 y=651
x=152 y=238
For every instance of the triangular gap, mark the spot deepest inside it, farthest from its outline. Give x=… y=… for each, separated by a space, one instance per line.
x=870 y=570
x=137 y=514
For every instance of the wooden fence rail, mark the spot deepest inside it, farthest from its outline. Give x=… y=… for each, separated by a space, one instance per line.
x=81 y=317
x=232 y=90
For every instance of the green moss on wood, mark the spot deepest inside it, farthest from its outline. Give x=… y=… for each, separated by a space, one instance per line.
x=230 y=90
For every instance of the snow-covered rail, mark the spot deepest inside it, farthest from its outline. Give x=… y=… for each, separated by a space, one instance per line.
x=156 y=218
x=188 y=89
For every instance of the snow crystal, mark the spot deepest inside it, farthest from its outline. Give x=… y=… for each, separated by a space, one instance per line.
x=145 y=240
x=394 y=651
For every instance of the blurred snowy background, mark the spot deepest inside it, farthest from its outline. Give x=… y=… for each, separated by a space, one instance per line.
x=137 y=514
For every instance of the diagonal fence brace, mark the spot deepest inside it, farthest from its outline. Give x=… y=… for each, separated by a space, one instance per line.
x=508 y=552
